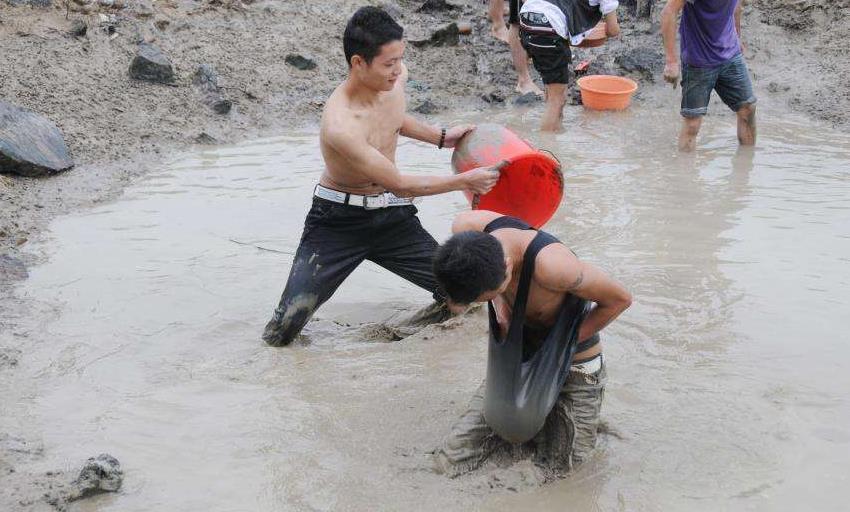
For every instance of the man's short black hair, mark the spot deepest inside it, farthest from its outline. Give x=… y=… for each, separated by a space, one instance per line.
x=469 y=264
x=367 y=31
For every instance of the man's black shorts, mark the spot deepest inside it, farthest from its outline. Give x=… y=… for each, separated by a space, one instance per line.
x=549 y=52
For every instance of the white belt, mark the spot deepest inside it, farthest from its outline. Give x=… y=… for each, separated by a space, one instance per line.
x=373 y=202
x=588 y=367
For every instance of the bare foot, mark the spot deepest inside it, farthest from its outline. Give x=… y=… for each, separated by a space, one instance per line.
x=526 y=87
x=500 y=32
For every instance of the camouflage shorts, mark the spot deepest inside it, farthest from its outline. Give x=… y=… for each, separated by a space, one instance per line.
x=566 y=440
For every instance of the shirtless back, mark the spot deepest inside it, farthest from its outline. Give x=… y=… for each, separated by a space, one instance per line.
x=557 y=271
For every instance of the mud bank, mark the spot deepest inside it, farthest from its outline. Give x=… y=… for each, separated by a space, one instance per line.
x=118 y=128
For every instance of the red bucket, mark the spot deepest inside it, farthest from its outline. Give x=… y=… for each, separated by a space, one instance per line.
x=531 y=185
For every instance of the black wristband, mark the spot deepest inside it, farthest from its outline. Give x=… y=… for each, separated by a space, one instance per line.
x=442 y=138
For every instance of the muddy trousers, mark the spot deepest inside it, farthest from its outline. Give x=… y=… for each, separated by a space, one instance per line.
x=335 y=240
x=566 y=440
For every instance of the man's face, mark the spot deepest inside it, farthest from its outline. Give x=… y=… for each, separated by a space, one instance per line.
x=385 y=69
x=486 y=296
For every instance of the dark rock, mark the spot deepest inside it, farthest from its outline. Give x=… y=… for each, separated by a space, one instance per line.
x=427 y=107
x=300 y=62
x=11 y=269
x=393 y=9
x=144 y=9
x=79 y=28
x=30 y=144
x=206 y=81
x=416 y=85
x=100 y=474
x=645 y=63
x=436 y=6
x=446 y=36
x=492 y=95
x=206 y=138
x=574 y=94
x=527 y=99
x=32 y=3
x=151 y=65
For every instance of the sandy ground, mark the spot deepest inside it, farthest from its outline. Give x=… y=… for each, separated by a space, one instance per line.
x=117 y=128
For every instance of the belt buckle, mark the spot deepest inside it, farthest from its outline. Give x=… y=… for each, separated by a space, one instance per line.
x=382 y=202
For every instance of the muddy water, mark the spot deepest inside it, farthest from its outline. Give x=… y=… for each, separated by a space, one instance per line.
x=728 y=375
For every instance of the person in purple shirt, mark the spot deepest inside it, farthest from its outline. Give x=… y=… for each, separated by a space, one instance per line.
x=710 y=40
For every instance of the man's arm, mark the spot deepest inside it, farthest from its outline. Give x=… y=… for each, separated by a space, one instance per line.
x=738 y=11
x=668 y=33
x=609 y=15
x=473 y=220
x=416 y=129
x=361 y=157
x=561 y=271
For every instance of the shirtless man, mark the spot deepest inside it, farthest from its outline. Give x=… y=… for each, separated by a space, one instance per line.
x=483 y=261
x=362 y=207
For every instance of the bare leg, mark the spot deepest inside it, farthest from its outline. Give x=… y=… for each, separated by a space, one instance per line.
x=747 y=125
x=688 y=135
x=497 y=17
x=556 y=98
x=524 y=84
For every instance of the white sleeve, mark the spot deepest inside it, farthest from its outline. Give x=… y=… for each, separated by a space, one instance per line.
x=608 y=6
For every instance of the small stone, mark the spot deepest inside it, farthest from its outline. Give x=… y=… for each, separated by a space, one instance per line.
x=300 y=62
x=151 y=65
x=161 y=24
x=427 y=107
x=11 y=269
x=418 y=86
x=436 y=6
x=222 y=106
x=492 y=95
x=527 y=99
x=205 y=138
x=79 y=28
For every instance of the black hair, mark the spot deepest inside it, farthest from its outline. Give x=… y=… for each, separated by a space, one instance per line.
x=367 y=31
x=469 y=264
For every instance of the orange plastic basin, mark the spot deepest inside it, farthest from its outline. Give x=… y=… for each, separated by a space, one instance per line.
x=606 y=92
x=530 y=186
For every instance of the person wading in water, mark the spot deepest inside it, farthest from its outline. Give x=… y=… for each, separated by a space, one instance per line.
x=363 y=205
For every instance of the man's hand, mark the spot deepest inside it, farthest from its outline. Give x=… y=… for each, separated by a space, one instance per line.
x=455 y=133
x=482 y=179
x=671 y=73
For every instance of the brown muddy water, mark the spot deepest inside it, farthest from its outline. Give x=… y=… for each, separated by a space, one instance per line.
x=728 y=376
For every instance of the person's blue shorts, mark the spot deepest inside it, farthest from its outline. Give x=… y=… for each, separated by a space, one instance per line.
x=730 y=79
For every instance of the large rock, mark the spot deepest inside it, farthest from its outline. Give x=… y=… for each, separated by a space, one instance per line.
x=100 y=474
x=30 y=144
x=151 y=65
x=206 y=81
x=446 y=36
x=645 y=63
x=436 y=6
